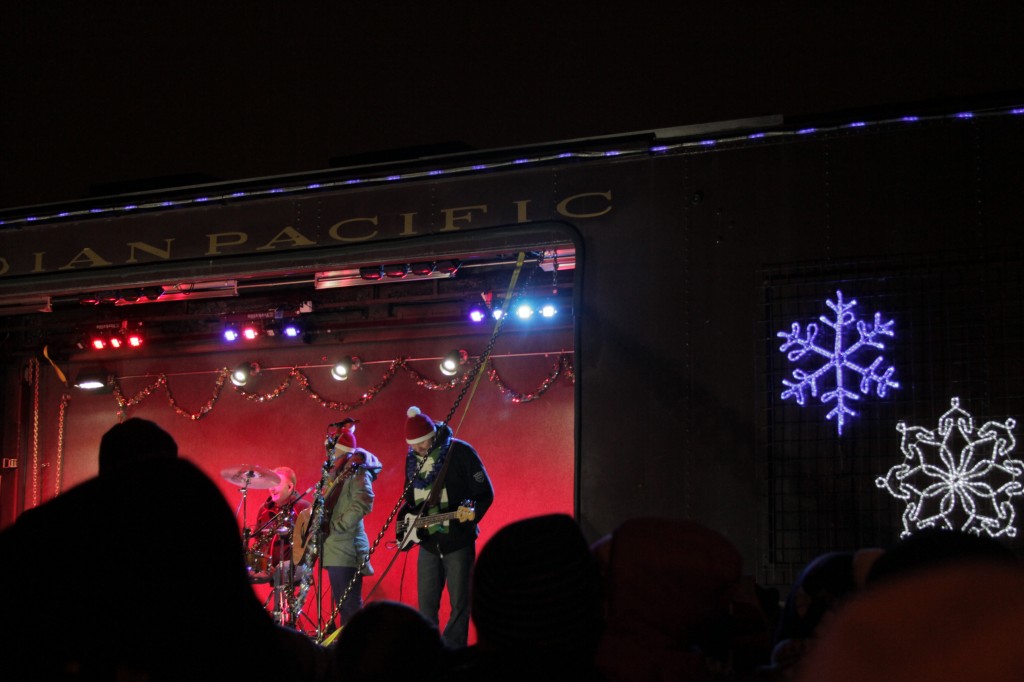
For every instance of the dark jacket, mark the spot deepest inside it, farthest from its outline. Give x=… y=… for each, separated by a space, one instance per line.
x=465 y=479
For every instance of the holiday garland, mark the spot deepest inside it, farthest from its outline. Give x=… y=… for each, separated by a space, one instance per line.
x=563 y=365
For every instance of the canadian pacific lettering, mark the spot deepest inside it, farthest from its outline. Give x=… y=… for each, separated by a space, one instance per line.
x=23 y=259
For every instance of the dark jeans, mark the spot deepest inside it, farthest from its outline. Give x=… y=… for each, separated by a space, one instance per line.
x=340 y=577
x=433 y=572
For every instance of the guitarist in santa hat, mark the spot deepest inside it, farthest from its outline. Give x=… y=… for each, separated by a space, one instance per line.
x=449 y=472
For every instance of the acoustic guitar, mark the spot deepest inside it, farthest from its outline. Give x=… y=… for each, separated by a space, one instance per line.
x=303 y=532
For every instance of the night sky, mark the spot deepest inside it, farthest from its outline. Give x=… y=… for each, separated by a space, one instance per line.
x=100 y=93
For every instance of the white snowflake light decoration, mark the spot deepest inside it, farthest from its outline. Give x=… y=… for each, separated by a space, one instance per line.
x=957 y=478
x=837 y=360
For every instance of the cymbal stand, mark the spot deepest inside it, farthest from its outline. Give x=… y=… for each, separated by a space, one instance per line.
x=280 y=601
x=244 y=508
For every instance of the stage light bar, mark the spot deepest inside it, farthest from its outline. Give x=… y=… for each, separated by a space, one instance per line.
x=115 y=336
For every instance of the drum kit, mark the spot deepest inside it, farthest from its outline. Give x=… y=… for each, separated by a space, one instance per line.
x=268 y=545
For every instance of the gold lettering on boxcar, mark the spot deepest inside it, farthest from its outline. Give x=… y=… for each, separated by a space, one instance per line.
x=407 y=224
x=86 y=257
x=218 y=241
x=450 y=216
x=563 y=205
x=335 y=231
x=289 y=235
x=150 y=249
x=521 y=210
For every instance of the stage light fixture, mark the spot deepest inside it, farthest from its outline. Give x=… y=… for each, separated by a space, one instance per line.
x=477 y=314
x=372 y=273
x=524 y=311
x=496 y=313
x=116 y=342
x=93 y=379
x=548 y=310
x=452 y=361
x=240 y=375
x=151 y=293
x=449 y=267
x=291 y=330
x=97 y=342
x=422 y=269
x=344 y=367
x=231 y=333
x=396 y=271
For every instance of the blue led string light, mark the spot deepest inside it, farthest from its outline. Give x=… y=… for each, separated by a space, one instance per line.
x=640 y=150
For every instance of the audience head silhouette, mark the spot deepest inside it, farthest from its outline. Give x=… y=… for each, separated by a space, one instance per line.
x=938 y=605
x=368 y=646
x=536 y=597
x=132 y=441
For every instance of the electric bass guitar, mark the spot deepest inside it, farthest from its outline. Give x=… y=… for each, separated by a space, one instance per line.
x=407 y=528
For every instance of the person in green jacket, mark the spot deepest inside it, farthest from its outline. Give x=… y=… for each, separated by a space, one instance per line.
x=349 y=499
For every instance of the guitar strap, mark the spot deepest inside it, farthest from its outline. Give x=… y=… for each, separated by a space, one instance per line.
x=433 y=499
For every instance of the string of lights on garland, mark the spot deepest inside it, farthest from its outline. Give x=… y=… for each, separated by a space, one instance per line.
x=563 y=366
x=956 y=477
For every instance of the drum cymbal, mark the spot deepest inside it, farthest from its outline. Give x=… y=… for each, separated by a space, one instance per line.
x=251 y=476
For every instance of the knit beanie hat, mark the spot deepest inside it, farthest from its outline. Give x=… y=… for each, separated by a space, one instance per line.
x=346 y=442
x=418 y=427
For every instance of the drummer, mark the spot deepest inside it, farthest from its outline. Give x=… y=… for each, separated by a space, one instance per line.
x=276 y=519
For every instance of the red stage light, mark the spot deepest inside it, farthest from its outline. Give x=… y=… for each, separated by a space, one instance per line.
x=97 y=343
x=250 y=333
x=115 y=342
x=134 y=340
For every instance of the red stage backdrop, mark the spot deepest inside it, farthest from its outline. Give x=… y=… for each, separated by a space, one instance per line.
x=280 y=420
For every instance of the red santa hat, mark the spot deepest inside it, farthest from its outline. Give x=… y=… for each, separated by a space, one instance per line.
x=418 y=427
x=346 y=442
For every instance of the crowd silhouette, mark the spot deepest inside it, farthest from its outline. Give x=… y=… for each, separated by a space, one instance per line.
x=657 y=599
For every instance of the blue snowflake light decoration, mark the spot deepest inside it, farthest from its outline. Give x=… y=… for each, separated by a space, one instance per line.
x=957 y=478
x=837 y=361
